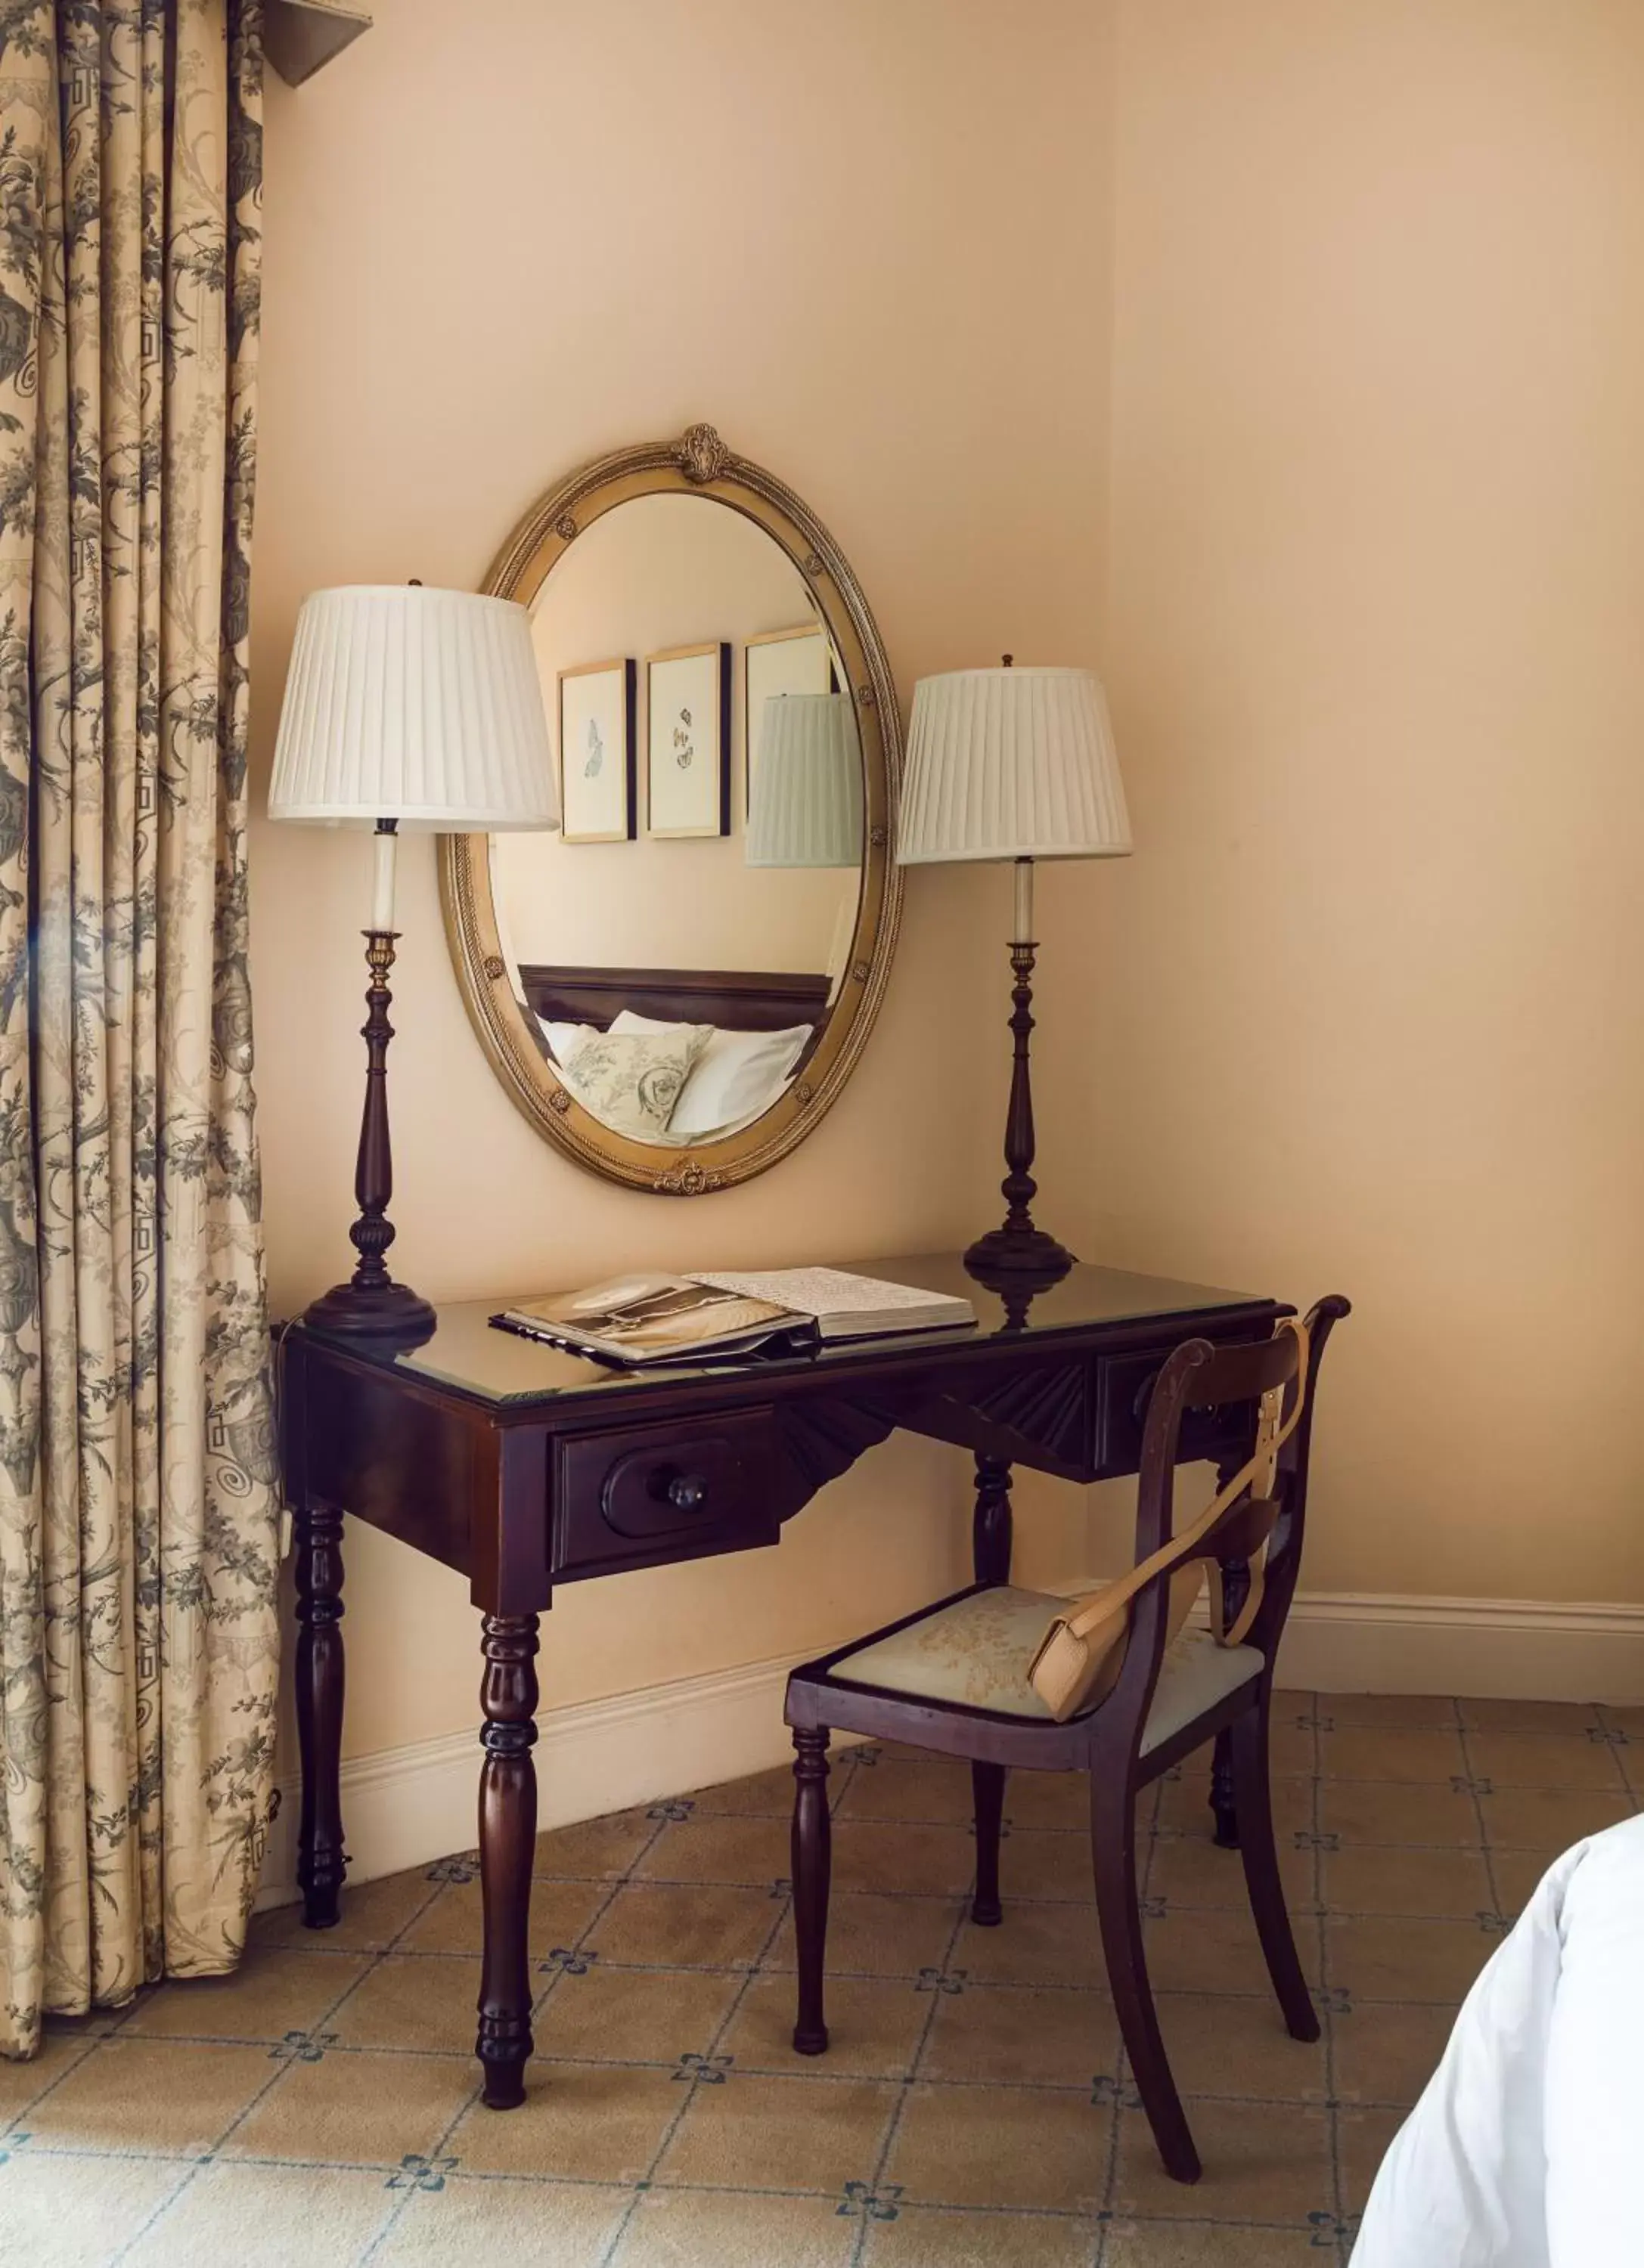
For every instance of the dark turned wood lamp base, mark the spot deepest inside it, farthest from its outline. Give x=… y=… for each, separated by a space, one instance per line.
x=370 y=1305
x=1017 y=1254
x=1032 y=1255
x=387 y=1310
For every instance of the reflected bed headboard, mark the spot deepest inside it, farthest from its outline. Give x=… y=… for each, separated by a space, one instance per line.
x=737 y=999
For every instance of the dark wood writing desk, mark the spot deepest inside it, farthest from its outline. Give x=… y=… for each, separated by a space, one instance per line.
x=524 y=1468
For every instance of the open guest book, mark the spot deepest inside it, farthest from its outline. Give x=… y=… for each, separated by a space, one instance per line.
x=639 y=1319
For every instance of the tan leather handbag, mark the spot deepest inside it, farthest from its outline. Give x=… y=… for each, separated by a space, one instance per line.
x=1081 y=1653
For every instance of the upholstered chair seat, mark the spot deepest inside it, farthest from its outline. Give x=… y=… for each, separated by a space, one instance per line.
x=977 y=1651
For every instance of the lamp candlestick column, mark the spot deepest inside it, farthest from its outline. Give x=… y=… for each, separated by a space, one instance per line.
x=1018 y=1247
x=371 y=1303
x=386 y=839
x=1022 y=933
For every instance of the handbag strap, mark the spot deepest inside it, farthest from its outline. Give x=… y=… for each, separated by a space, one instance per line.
x=1272 y=1432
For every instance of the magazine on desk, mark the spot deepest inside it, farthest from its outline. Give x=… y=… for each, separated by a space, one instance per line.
x=639 y=1319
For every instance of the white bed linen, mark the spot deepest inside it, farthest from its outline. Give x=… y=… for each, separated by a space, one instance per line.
x=1527 y=2147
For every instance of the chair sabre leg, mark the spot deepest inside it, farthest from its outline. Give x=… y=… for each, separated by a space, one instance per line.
x=1113 y=1851
x=1261 y=1877
x=987 y=1786
x=1235 y=1588
x=811 y=1861
x=1223 y=1803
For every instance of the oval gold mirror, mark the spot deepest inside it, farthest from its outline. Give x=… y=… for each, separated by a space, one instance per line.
x=675 y=985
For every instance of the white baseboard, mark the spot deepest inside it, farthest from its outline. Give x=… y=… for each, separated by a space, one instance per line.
x=1505 y=1649
x=407 y=1807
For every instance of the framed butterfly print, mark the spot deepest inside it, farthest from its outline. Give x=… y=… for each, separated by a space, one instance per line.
x=596 y=752
x=688 y=740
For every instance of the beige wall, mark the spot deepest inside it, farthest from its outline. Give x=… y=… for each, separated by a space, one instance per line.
x=492 y=253
x=1362 y=1012
x=1368 y=995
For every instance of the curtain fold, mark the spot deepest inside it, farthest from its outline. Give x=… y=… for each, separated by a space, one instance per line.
x=138 y=1521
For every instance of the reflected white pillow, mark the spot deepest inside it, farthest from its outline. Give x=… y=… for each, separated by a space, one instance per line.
x=563 y=1040
x=737 y=1075
x=632 y=1080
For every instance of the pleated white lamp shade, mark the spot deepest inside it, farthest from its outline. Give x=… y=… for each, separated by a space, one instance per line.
x=807 y=804
x=1010 y=763
x=419 y=705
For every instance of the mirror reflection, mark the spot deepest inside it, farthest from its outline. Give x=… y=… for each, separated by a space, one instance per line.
x=677 y=946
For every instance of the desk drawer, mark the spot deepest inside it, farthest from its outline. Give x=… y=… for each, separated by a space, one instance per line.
x=1123 y=1383
x=656 y=1493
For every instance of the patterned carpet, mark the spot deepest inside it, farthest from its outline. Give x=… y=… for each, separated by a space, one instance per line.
x=321 y=2107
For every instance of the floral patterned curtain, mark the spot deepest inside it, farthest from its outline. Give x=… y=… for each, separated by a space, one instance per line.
x=138 y=1639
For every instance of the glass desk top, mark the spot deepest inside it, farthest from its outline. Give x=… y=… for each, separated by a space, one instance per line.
x=469 y=1353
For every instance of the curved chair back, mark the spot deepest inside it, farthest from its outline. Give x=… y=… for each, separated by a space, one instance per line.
x=1200 y=1376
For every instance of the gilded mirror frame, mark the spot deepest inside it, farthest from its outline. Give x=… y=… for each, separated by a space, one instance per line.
x=697 y=464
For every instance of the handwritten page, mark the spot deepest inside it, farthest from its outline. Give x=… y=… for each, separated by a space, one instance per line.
x=829 y=1291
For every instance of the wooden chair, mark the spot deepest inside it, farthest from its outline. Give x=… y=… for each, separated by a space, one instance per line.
x=904 y=1682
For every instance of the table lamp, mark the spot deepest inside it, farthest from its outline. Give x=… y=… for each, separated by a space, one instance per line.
x=805 y=808
x=404 y=707
x=1013 y=764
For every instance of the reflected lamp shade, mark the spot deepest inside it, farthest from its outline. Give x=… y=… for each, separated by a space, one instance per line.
x=417 y=706
x=1010 y=763
x=806 y=808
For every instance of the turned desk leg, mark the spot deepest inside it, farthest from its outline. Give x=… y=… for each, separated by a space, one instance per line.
x=1235 y=1588
x=811 y=1857
x=321 y=1861
x=991 y=1527
x=508 y=1696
